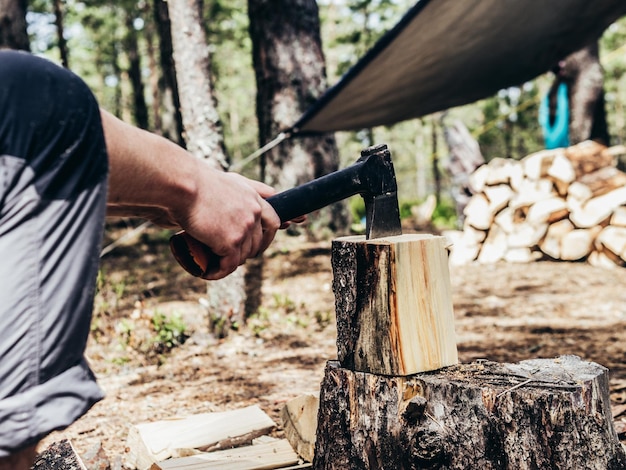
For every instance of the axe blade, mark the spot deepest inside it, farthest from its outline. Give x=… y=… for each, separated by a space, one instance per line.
x=382 y=217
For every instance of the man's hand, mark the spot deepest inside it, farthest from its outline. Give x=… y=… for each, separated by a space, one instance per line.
x=232 y=218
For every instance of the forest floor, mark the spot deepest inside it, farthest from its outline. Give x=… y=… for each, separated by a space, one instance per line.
x=504 y=312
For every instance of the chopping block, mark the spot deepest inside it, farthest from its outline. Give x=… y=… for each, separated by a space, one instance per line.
x=393 y=304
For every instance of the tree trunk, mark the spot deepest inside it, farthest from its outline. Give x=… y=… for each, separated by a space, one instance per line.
x=583 y=74
x=170 y=85
x=140 y=109
x=204 y=138
x=537 y=414
x=58 y=21
x=290 y=73
x=13 y=33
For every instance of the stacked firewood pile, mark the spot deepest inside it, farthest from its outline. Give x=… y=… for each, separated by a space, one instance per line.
x=563 y=204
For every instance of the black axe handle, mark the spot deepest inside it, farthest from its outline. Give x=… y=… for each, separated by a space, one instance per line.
x=372 y=174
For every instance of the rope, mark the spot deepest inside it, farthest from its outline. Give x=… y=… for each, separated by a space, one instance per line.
x=257 y=153
x=136 y=231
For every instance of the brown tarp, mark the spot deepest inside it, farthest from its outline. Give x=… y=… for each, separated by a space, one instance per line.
x=446 y=53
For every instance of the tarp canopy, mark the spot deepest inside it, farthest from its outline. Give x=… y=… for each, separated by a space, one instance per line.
x=446 y=53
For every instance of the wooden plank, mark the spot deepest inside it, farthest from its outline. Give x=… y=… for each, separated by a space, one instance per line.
x=156 y=441
x=270 y=455
x=393 y=304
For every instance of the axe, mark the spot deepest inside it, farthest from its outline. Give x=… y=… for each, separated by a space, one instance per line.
x=372 y=176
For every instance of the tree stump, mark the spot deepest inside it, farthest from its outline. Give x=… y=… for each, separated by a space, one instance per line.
x=537 y=414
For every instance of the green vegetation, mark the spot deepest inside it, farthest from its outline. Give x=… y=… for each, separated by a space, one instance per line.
x=170 y=332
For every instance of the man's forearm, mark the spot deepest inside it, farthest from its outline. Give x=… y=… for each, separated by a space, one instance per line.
x=145 y=169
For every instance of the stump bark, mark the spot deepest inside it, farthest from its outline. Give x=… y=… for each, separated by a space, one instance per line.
x=536 y=414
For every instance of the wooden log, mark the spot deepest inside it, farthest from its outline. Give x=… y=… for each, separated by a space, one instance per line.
x=536 y=164
x=551 y=243
x=613 y=239
x=531 y=192
x=268 y=454
x=547 y=211
x=619 y=217
x=478 y=213
x=463 y=245
x=604 y=180
x=599 y=209
x=521 y=255
x=152 y=442
x=299 y=418
x=578 y=243
x=393 y=304
x=589 y=156
x=605 y=259
x=536 y=414
x=59 y=455
x=526 y=235
x=562 y=173
x=494 y=247
x=498 y=197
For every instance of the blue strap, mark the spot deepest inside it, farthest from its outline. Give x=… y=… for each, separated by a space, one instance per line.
x=556 y=135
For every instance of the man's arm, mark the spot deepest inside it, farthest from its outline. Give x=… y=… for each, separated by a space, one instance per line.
x=155 y=178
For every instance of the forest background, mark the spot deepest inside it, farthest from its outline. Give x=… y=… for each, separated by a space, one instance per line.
x=115 y=48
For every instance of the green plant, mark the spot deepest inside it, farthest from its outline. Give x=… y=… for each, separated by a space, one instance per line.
x=170 y=332
x=444 y=215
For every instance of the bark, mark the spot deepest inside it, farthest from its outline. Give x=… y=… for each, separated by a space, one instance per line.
x=583 y=74
x=537 y=414
x=140 y=109
x=204 y=138
x=290 y=73
x=58 y=21
x=13 y=33
x=203 y=129
x=169 y=85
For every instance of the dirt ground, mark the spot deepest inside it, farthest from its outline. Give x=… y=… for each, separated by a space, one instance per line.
x=504 y=312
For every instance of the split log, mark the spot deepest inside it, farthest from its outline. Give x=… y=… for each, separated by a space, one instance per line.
x=478 y=213
x=551 y=243
x=393 y=304
x=542 y=413
x=619 y=217
x=578 y=243
x=494 y=247
x=613 y=240
x=599 y=209
x=149 y=443
x=268 y=454
x=603 y=180
x=299 y=418
x=589 y=156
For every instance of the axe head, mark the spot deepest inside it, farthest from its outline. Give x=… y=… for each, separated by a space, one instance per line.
x=380 y=193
